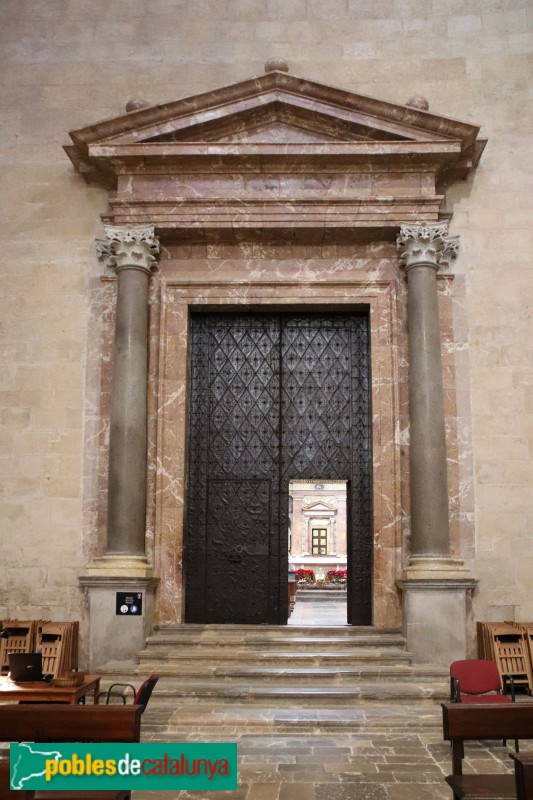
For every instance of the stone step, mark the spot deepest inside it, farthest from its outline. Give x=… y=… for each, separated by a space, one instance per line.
x=270 y=644
x=321 y=595
x=172 y=690
x=296 y=674
x=224 y=680
x=220 y=629
x=162 y=724
x=271 y=648
x=273 y=635
x=297 y=694
x=351 y=656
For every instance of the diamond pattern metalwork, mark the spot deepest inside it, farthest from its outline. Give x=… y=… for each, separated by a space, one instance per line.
x=273 y=398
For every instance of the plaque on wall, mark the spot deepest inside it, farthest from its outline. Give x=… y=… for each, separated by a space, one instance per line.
x=129 y=604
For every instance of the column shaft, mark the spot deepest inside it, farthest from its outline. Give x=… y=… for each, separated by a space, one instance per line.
x=126 y=499
x=422 y=247
x=429 y=487
x=130 y=253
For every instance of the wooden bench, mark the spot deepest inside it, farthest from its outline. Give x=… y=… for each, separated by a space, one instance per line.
x=66 y=723
x=464 y=722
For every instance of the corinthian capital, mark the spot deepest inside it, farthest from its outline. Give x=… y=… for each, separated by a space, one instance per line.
x=449 y=251
x=129 y=247
x=421 y=244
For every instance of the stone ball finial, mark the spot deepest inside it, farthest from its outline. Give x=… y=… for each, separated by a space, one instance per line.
x=276 y=65
x=136 y=105
x=418 y=102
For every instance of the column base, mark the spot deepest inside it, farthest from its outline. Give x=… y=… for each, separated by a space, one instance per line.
x=119 y=565
x=113 y=634
x=437 y=595
x=435 y=567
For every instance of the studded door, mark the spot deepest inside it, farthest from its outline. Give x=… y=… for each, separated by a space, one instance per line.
x=273 y=398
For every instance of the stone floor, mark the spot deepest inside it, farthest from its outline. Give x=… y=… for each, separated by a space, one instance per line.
x=384 y=765
x=390 y=756
x=327 y=612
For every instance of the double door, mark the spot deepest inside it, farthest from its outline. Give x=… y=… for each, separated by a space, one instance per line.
x=273 y=398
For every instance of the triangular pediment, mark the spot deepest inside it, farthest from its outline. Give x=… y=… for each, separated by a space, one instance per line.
x=279 y=119
x=272 y=132
x=318 y=506
x=274 y=108
x=276 y=152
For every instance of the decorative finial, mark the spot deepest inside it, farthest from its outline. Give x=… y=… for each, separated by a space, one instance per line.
x=276 y=65
x=418 y=102
x=135 y=105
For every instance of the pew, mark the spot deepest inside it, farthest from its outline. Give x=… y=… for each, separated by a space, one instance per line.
x=44 y=722
x=464 y=722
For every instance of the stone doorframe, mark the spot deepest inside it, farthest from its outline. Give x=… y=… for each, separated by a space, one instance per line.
x=178 y=300
x=336 y=178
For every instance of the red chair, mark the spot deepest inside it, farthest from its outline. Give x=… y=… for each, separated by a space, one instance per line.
x=139 y=696
x=478 y=681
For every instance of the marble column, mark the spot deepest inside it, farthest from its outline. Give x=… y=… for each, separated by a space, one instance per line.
x=114 y=635
x=130 y=251
x=436 y=587
x=420 y=250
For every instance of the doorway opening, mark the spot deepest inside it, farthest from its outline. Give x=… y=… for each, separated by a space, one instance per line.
x=318 y=552
x=274 y=397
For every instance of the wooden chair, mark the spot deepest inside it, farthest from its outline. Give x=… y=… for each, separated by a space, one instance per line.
x=19 y=639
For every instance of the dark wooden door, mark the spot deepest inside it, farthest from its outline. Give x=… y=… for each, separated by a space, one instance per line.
x=273 y=397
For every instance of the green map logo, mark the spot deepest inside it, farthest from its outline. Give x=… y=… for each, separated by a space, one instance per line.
x=156 y=766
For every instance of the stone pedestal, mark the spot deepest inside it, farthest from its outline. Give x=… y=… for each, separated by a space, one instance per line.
x=437 y=610
x=112 y=636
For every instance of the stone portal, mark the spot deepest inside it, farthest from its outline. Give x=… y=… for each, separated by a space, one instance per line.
x=281 y=193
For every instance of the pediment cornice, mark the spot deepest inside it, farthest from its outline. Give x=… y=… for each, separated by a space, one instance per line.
x=276 y=127
x=319 y=506
x=160 y=120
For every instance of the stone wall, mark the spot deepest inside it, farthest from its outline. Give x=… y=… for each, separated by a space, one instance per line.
x=67 y=63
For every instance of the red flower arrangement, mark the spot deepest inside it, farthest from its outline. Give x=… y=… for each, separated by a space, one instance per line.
x=336 y=576
x=305 y=576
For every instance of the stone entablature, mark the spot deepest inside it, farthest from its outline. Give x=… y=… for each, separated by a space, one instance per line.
x=276 y=152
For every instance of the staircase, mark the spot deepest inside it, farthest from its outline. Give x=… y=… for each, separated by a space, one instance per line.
x=224 y=679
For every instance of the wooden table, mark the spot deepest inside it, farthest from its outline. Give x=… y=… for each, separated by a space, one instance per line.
x=523 y=770
x=43 y=692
